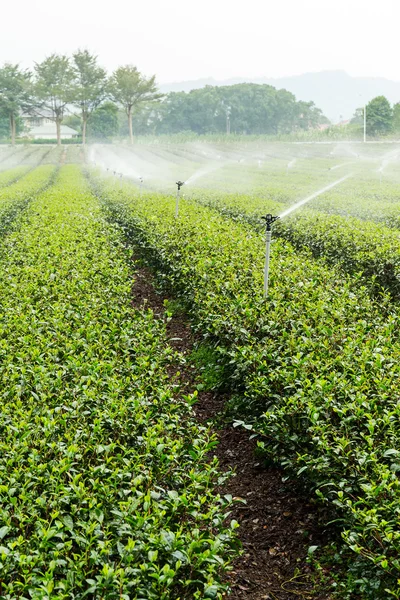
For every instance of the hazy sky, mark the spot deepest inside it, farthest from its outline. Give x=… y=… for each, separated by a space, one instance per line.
x=184 y=39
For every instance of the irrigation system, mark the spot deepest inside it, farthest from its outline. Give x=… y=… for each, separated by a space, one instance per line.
x=178 y=195
x=269 y=219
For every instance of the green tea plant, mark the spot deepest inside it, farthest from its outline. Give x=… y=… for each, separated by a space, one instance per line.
x=106 y=488
x=16 y=197
x=356 y=246
x=314 y=367
x=11 y=175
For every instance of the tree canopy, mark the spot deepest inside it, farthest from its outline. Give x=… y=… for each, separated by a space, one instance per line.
x=90 y=86
x=16 y=94
x=54 y=87
x=251 y=109
x=379 y=116
x=130 y=89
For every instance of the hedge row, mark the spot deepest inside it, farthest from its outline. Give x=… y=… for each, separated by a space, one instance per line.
x=315 y=366
x=105 y=486
x=357 y=247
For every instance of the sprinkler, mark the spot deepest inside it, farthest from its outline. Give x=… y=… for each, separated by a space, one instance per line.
x=140 y=186
x=269 y=219
x=178 y=194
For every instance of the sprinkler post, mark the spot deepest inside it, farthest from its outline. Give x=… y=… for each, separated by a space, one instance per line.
x=140 y=186
x=269 y=219
x=178 y=195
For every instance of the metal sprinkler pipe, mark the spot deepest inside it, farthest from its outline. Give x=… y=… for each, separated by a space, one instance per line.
x=269 y=219
x=178 y=195
x=140 y=186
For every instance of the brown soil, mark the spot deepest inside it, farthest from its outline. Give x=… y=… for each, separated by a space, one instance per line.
x=277 y=523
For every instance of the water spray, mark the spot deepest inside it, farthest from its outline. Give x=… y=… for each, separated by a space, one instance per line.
x=178 y=195
x=269 y=219
x=314 y=195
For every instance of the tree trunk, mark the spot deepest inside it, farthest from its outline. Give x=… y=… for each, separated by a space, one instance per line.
x=130 y=124
x=58 y=128
x=12 y=128
x=84 y=122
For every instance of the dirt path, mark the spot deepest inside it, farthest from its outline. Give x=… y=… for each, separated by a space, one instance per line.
x=277 y=524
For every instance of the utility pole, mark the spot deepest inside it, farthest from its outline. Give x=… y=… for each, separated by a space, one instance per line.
x=228 y=120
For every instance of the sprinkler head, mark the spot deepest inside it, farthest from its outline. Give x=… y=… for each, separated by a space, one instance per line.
x=269 y=219
x=180 y=184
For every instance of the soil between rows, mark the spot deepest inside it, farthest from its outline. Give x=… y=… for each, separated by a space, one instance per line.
x=277 y=523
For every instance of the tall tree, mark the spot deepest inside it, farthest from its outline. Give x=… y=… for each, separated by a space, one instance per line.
x=131 y=89
x=396 y=117
x=90 y=86
x=379 y=116
x=54 y=87
x=15 y=94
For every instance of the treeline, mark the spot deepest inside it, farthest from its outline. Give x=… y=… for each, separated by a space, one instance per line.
x=244 y=108
x=381 y=117
x=78 y=91
x=61 y=85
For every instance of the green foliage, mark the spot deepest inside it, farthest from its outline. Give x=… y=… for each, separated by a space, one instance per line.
x=131 y=90
x=357 y=247
x=54 y=86
x=396 y=117
x=16 y=96
x=103 y=125
x=106 y=488
x=90 y=85
x=379 y=116
x=316 y=365
x=252 y=109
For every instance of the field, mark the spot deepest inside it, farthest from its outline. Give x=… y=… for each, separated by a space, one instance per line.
x=109 y=483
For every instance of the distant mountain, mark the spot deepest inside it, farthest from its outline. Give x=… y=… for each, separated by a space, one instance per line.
x=335 y=92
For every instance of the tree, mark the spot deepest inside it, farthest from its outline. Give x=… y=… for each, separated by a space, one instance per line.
x=379 y=116
x=131 y=89
x=90 y=86
x=15 y=94
x=396 y=117
x=253 y=109
x=103 y=124
x=358 y=117
x=54 y=87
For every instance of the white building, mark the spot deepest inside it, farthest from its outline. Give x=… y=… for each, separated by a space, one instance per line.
x=49 y=132
x=42 y=126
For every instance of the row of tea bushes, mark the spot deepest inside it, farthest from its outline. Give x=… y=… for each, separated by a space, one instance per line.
x=370 y=249
x=16 y=197
x=11 y=175
x=315 y=366
x=106 y=490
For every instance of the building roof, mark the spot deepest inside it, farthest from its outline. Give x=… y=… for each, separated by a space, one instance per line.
x=34 y=113
x=51 y=130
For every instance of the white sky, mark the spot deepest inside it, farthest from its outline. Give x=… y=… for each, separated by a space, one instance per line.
x=182 y=39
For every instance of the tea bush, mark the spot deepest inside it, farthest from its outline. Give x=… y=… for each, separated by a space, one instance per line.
x=315 y=367
x=106 y=488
